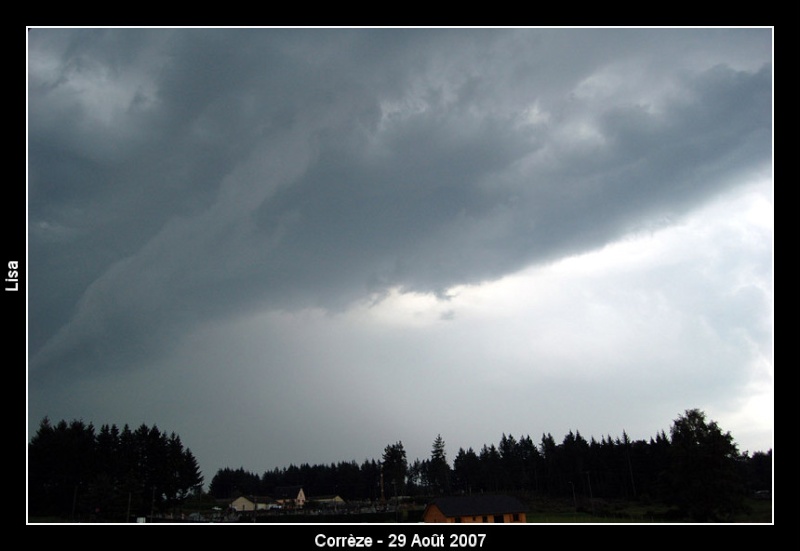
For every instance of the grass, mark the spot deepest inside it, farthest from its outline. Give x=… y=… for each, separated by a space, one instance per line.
x=583 y=518
x=757 y=512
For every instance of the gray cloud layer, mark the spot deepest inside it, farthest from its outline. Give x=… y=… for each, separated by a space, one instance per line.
x=184 y=176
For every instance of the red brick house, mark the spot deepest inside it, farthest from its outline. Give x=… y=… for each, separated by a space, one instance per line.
x=493 y=509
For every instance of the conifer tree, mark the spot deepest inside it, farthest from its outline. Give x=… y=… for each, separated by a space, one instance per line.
x=439 y=469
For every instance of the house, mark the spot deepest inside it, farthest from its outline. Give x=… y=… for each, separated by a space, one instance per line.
x=291 y=497
x=332 y=501
x=482 y=508
x=251 y=503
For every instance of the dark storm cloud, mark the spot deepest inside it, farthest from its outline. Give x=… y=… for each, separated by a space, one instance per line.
x=178 y=176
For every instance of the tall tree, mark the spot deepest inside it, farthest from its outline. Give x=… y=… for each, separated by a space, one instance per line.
x=489 y=461
x=510 y=462
x=531 y=463
x=370 y=479
x=74 y=473
x=417 y=477
x=466 y=471
x=759 y=471
x=230 y=483
x=61 y=466
x=439 y=469
x=551 y=456
x=703 y=478
x=395 y=469
x=188 y=477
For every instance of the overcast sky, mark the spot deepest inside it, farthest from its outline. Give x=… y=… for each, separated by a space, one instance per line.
x=301 y=245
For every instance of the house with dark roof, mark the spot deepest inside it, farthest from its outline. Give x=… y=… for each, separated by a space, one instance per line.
x=291 y=497
x=251 y=503
x=482 y=508
x=328 y=501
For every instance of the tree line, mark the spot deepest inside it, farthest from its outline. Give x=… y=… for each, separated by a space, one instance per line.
x=75 y=472
x=697 y=469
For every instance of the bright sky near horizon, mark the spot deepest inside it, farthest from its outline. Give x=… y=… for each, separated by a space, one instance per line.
x=301 y=245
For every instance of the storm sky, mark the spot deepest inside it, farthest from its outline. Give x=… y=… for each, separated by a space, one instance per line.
x=302 y=245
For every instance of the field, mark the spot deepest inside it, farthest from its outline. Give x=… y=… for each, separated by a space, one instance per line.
x=758 y=512
x=541 y=512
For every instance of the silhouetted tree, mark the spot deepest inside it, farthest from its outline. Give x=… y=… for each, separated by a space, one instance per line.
x=395 y=469
x=190 y=478
x=610 y=468
x=417 y=479
x=552 y=473
x=489 y=458
x=75 y=473
x=348 y=482
x=439 y=469
x=531 y=464
x=231 y=483
x=759 y=471
x=370 y=479
x=61 y=462
x=703 y=478
x=510 y=474
x=466 y=471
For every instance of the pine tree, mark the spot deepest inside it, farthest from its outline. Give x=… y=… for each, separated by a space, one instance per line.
x=465 y=471
x=439 y=470
x=76 y=474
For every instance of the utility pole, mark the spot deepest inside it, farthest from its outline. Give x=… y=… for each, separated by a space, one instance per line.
x=574 y=499
x=74 y=501
x=383 y=496
x=396 y=501
x=591 y=497
x=630 y=468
